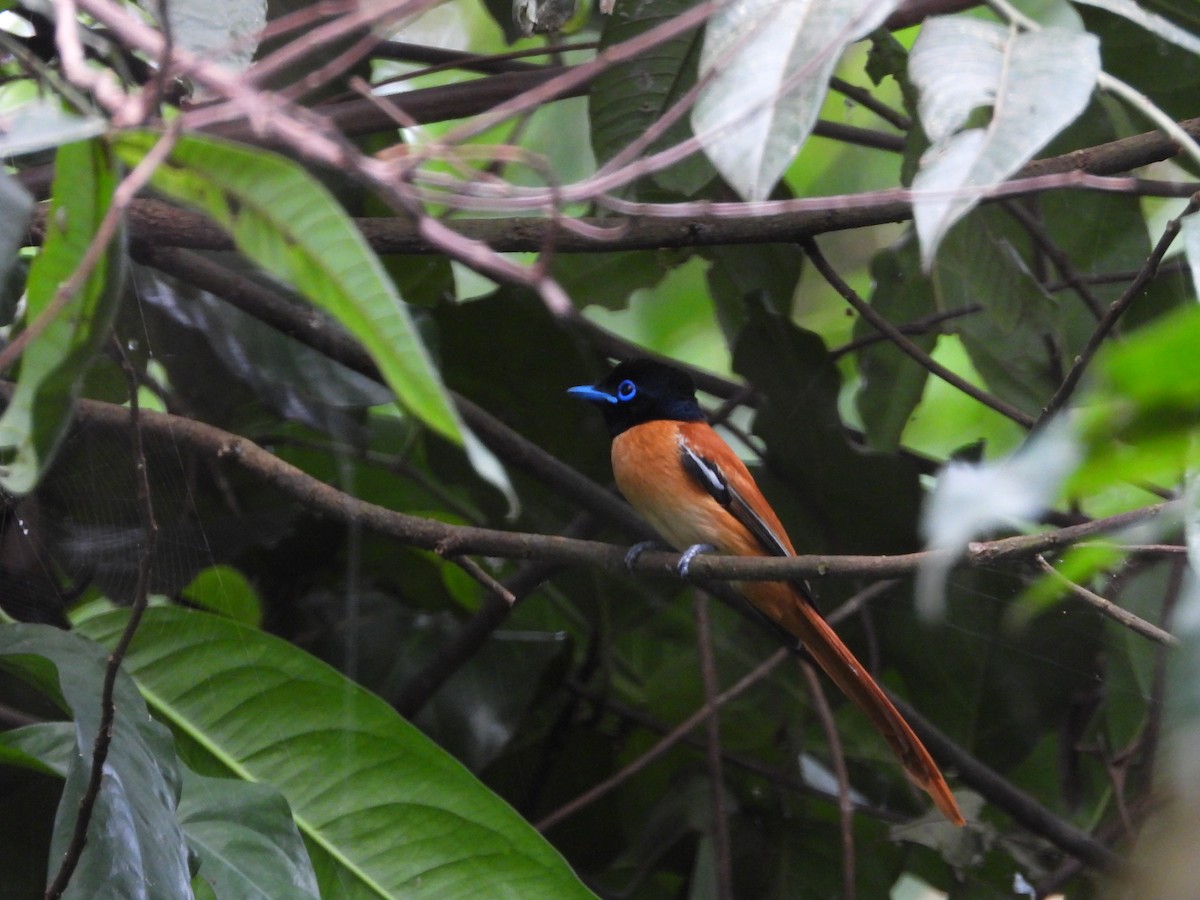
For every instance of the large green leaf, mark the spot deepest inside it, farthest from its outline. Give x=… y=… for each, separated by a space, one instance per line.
x=135 y=847
x=384 y=812
x=55 y=361
x=289 y=224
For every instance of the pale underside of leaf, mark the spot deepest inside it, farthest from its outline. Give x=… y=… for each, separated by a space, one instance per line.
x=768 y=63
x=1152 y=22
x=1037 y=83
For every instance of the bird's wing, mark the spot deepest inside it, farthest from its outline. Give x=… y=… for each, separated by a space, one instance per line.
x=742 y=504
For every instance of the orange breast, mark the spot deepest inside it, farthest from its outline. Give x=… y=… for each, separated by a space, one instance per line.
x=647 y=465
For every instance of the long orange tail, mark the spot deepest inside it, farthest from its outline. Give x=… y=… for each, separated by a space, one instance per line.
x=784 y=603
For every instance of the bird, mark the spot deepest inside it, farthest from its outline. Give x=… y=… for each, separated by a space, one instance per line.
x=682 y=477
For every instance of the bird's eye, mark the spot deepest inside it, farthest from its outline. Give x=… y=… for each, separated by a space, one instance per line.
x=626 y=390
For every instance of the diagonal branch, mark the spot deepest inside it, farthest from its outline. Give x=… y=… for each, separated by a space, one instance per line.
x=902 y=342
x=1114 y=312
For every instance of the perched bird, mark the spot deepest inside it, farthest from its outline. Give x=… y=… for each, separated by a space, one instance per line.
x=691 y=486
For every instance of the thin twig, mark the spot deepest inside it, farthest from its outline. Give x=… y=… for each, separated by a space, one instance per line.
x=924 y=325
x=866 y=99
x=104 y=733
x=1115 y=311
x=1062 y=261
x=783 y=779
x=902 y=342
x=677 y=734
x=472 y=568
x=1117 y=613
x=723 y=855
x=837 y=754
x=96 y=248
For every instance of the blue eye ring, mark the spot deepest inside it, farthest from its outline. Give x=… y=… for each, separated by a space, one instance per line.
x=626 y=390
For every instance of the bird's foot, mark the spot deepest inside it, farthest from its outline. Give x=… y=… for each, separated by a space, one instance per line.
x=685 y=561
x=637 y=550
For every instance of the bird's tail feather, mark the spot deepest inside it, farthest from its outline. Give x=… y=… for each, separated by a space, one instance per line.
x=805 y=622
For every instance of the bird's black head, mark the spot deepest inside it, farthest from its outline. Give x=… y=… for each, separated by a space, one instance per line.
x=643 y=390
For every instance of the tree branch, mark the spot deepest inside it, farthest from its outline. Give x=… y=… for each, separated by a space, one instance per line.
x=1116 y=310
x=903 y=343
x=104 y=732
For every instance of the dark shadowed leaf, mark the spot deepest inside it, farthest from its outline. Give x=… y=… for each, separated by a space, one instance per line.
x=627 y=98
x=242 y=835
x=771 y=272
x=1013 y=343
x=855 y=500
x=16 y=205
x=892 y=381
x=135 y=847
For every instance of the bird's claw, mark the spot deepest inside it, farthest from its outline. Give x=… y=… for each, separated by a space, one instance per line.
x=637 y=550
x=685 y=561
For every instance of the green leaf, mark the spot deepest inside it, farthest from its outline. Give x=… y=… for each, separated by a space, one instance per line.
x=892 y=382
x=1012 y=343
x=855 y=502
x=1036 y=83
x=769 y=272
x=767 y=66
x=44 y=747
x=285 y=221
x=225 y=591
x=135 y=847
x=55 y=362
x=610 y=279
x=245 y=839
x=242 y=834
x=384 y=812
x=629 y=97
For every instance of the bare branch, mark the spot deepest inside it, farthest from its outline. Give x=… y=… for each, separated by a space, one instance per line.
x=677 y=734
x=845 y=804
x=104 y=732
x=723 y=855
x=1114 y=312
x=902 y=342
x=1107 y=607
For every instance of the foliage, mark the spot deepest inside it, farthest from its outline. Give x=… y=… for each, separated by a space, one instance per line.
x=285 y=436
